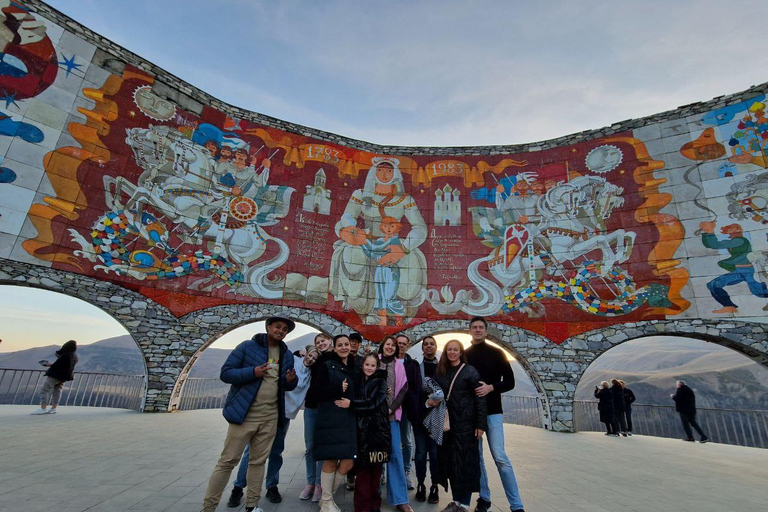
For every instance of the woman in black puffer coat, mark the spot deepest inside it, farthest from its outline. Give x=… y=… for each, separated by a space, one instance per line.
x=374 y=440
x=61 y=371
x=336 y=428
x=605 y=405
x=458 y=456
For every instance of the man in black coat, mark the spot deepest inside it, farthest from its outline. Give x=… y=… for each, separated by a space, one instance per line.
x=629 y=399
x=496 y=377
x=619 y=407
x=685 y=405
x=355 y=342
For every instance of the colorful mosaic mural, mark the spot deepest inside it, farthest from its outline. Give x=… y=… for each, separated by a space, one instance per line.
x=102 y=176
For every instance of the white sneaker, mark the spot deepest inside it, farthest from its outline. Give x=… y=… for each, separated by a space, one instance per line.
x=51 y=411
x=408 y=481
x=40 y=411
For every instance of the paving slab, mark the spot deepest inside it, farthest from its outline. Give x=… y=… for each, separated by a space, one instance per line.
x=110 y=460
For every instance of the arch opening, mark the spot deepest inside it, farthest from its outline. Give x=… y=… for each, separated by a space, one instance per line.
x=199 y=386
x=111 y=370
x=527 y=403
x=731 y=388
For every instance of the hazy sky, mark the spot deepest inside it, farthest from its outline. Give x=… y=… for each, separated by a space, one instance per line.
x=420 y=73
x=32 y=318
x=445 y=72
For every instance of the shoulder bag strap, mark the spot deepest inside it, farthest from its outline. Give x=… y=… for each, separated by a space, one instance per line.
x=454 y=380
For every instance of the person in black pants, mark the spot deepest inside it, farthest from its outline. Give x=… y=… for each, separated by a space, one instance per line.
x=619 y=405
x=685 y=405
x=410 y=403
x=629 y=399
x=355 y=342
x=605 y=405
x=425 y=445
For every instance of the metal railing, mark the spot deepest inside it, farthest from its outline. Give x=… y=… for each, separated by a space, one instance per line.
x=199 y=393
x=21 y=387
x=727 y=426
x=522 y=410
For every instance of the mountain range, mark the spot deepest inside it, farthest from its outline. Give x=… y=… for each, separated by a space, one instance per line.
x=721 y=377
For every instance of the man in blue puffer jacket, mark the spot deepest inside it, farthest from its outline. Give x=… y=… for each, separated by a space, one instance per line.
x=260 y=371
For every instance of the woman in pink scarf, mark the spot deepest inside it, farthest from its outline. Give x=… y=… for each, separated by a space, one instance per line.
x=397 y=385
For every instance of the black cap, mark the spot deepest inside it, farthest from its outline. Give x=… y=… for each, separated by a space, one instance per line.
x=291 y=323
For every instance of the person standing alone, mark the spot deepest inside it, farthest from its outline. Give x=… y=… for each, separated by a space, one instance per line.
x=260 y=371
x=61 y=371
x=496 y=377
x=685 y=405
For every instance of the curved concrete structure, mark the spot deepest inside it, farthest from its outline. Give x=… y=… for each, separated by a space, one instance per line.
x=117 y=172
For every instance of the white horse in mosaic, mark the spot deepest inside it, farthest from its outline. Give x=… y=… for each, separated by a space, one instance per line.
x=178 y=177
x=179 y=182
x=572 y=224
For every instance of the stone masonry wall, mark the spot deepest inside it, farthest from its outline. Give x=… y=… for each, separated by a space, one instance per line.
x=167 y=343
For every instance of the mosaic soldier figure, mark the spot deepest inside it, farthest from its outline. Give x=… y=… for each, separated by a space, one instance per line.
x=739 y=267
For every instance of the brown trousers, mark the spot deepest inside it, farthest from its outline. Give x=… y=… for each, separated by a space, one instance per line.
x=260 y=435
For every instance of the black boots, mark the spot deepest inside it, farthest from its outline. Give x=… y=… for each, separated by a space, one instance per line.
x=421 y=492
x=433 y=496
x=235 y=497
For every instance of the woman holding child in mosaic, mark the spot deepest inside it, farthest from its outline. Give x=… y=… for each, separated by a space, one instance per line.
x=382 y=243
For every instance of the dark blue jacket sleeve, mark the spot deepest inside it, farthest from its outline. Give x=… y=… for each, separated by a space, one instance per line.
x=233 y=372
x=288 y=359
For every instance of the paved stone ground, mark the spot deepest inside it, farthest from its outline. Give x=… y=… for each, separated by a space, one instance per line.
x=108 y=460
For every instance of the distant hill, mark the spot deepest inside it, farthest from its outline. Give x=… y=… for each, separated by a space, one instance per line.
x=721 y=377
x=118 y=355
x=209 y=363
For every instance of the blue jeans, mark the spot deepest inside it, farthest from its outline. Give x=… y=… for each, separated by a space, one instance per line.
x=314 y=468
x=495 y=436
x=397 y=491
x=425 y=445
x=741 y=274
x=275 y=459
x=405 y=439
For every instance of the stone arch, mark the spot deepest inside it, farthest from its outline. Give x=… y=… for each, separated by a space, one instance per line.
x=154 y=329
x=527 y=347
x=114 y=303
x=747 y=338
x=210 y=324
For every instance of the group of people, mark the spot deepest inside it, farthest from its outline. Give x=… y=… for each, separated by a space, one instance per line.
x=615 y=406
x=361 y=410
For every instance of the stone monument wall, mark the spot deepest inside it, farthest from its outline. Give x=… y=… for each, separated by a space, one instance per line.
x=142 y=189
